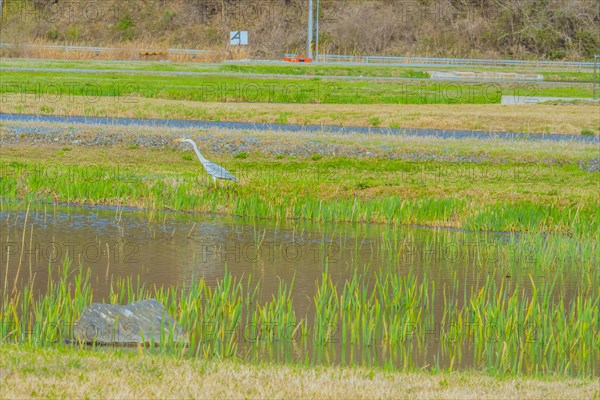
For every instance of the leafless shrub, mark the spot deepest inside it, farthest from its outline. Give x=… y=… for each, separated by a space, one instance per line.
x=552 y=29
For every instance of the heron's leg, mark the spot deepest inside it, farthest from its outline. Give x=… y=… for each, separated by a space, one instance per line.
x=215 y=181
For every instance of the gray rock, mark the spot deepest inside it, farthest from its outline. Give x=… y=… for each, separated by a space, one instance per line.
x=137 y=323
x=590 y=166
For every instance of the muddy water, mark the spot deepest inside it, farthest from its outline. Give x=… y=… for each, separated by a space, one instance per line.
x=177 y=249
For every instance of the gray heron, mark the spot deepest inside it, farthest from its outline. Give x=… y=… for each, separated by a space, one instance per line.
x=214 y=170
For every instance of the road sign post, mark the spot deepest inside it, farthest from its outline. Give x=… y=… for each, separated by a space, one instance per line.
x=238 y=38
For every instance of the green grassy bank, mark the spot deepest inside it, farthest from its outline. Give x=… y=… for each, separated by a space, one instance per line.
x=448 y=184
x=215 y=88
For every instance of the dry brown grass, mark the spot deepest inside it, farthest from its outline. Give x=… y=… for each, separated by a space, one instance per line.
x=119 y=51
x=416 y=28
x=538 y=118
x=52 y=373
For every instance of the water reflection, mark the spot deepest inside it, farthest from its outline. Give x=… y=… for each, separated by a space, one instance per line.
x=178 y=249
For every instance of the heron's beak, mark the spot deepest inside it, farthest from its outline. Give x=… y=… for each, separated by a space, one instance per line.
x=178 y=140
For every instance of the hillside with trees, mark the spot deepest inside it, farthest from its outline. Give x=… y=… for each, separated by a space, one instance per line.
x=529 y=29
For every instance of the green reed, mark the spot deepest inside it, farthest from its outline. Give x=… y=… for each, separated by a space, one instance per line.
x=276 y=320
x=497 y=326
x=305 y=197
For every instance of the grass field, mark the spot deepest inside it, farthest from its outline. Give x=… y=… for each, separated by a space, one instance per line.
x=267 y=89
x=290 y=69
x=536 y=118
x=506 y=188
x=57 y=373
x=293 y=95
x=546 y=192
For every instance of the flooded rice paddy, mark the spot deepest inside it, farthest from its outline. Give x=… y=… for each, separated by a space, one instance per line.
x=321 y=264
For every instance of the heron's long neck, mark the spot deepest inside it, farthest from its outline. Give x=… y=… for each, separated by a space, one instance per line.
x=200 y=156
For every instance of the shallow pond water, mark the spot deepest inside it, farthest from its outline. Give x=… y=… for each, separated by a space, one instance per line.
x=176 y=249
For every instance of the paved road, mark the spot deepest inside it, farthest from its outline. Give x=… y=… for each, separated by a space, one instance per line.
x=540 y=99
x=173 y=123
